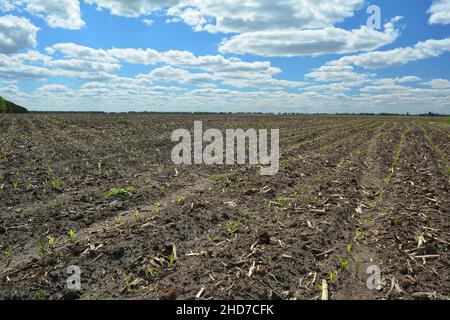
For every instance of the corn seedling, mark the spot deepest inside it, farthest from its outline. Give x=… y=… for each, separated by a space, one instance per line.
x=8 y=255
x=213 y=239
x=181 y=199
x=332 y=276
x=150 y=271
x=358 y=234
x=119 y=192
x=172 y=259
x=343 y=263
x=41 y=295
x=155 y=208
x=130 y=285
x=349 y=248
x=232 y=227
x=51 y=242
x=163 y=190
x=57 y=184
x=136 y=214
x=72 y=234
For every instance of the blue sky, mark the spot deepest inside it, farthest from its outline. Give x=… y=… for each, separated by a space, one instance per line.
x=210 y=55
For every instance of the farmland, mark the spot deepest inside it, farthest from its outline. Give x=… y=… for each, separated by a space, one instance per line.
x=101 y=192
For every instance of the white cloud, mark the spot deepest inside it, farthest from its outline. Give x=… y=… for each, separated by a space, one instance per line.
x=439 y=84
x=171 y=74
x=148 y=22
x=131 y=8
x=231 y=16
x=335 y=74
x=16 y=34
x=396 y=57
x=7 y=5
x=315 y=42
x=64 y=14
x=440 y=12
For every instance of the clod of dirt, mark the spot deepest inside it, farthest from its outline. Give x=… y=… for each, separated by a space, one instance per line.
x=116 y=252
x=70 y=295
x=170 y=295
x=264 y=238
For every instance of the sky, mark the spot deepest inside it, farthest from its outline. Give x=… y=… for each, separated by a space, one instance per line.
x=306 y=56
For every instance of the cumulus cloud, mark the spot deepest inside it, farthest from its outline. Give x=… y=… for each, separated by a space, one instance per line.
x=439 y=84
x=16 y=34
x=131 y=8
x=231 y=16
x=334 y=74
x=440 y=12
x=314 y=42
x=396 y=57
x=64 y=14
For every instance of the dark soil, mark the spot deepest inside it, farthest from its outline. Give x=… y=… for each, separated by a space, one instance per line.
x=352 y=192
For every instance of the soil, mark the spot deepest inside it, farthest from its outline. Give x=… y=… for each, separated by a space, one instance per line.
x=351 y=192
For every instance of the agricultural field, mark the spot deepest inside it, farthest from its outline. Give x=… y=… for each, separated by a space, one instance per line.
x=100 y=192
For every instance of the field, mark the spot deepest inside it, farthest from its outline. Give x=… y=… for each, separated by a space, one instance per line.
x=100 y=192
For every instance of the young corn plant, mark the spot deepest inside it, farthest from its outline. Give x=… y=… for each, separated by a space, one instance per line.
x=51 y=243
x=332 y=276
x=150 y=272
x=181 y=199
x=72 y=234
x=343 y=263
x=119 y=192
x=130 y=285
x=8 y=255
x=57 y=184
x=155 y=208
x=232 y=227
x=41 y=295
x=172 y=259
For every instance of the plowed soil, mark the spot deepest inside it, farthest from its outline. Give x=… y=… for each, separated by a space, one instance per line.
x=352 y=192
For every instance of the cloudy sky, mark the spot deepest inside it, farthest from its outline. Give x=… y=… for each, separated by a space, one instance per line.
x=226 y=55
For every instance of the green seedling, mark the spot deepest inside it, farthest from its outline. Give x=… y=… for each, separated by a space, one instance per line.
x=130 y=285
x=136 y=214
x=72 y=234
x=57 y=184
x=232 y=227
x=8 y=255
x=181 y=199
x=119 y=192
x=358 y=234
x=51 y=242
x=156 y=208
x=150 y=271
x=163 y=190
x=343 y=263
x=332 y=276
x=213 y=239
x=349 y=248
x=172 y=259
x=41 y=295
